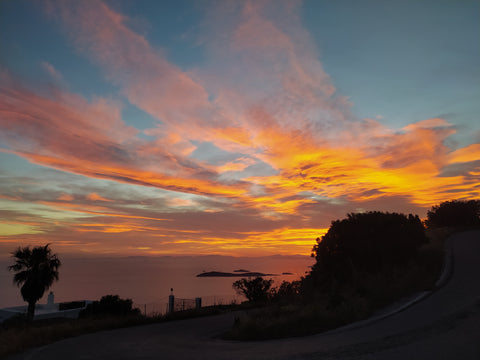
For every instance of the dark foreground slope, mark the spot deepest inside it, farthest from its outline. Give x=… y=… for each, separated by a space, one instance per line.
x=445 y=325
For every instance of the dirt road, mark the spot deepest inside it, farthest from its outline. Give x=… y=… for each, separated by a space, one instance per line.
x=444 y=325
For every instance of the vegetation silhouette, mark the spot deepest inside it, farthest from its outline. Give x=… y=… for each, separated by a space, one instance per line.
x=256 y=290
x=455 y=213
x=382 y=258
x=35 y=270
x=363 y=263
x=287 y=293
x=370 y=242
x=110 y=305
x=259 y=291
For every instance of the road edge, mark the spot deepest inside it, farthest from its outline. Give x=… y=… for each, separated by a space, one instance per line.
x=402 y=305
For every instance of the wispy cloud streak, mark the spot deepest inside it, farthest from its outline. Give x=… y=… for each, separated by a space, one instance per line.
x=282 y=143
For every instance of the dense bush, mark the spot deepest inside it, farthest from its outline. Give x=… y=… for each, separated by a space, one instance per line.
x=110 y=305
x=454 y=213
x=287 y=293
x=256 y=290
x=367 y=242
x=364 y=263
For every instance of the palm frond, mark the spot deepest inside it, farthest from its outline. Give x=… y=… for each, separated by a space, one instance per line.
x=35 y=270
x=20 y=277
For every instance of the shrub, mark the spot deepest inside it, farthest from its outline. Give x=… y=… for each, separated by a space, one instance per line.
x=256 y=290
x=364 y=263
x=454 y=213
x=110 y=305
x=287 y=292
x=366 y=242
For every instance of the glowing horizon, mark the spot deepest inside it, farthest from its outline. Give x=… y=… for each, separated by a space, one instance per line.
x=227 y=136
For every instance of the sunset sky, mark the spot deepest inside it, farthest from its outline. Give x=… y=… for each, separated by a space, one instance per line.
x=230 y=127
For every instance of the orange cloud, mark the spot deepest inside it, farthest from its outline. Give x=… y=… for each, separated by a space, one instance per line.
x=94 y=210
x=236 y=135
x=96 y=197
x=113 y=228
x=65 y=197
x=237 y=165
x=406 y=164
x=466 y=154
x=281 y=241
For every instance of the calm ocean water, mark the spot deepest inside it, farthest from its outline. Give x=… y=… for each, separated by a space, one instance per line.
x=148 y=280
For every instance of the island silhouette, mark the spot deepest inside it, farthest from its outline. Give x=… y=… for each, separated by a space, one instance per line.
x=236 y=273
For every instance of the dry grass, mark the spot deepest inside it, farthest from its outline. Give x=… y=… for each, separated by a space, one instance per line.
x=295 y=320
x=21 y=336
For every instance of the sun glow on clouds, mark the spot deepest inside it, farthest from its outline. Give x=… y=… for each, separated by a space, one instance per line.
x=286 y=147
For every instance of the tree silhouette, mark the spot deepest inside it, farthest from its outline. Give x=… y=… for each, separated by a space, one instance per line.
x=454 y=213
x=35 y=270
x=256 y=290
x=367 y=242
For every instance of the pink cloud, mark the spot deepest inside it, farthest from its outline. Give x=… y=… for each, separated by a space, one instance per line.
x=147 y=78
x=64 y=120
x=90 y=138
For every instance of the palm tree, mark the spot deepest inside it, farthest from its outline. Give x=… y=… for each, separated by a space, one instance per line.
x=35 y=269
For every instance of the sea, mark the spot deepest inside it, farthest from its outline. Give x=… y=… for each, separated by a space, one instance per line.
x=149 y=281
